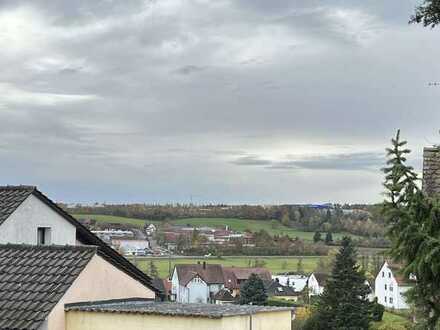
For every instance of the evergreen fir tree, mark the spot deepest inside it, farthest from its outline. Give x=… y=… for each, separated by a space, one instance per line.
x=414 y=221
x=317 y=237
x=253 y=292
x=328 y=238
x=344 y=303
x=428 y=13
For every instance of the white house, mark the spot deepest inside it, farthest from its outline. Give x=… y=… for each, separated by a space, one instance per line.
x=57 y=260
x=196 y=283
x=390 y=287
x=298 y=282
x=131 y=247
x=316 y=283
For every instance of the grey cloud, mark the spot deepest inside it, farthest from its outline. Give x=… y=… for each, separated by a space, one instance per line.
x=252 y=161
x=347 y=162
x=189 y=69
x=258 y=75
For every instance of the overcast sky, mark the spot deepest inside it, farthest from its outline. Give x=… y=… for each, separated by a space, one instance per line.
x=237 y=101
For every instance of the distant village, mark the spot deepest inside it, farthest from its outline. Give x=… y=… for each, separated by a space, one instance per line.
x=59 y=273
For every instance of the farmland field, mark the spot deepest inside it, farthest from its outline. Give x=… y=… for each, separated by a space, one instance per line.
x=274 y=264
x=234 y=224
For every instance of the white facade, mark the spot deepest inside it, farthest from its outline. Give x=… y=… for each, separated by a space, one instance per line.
x=195 y=291
x=22 y=225
x=388 y=291
x=313 y=285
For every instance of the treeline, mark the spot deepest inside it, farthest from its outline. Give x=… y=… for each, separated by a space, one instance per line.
x=265 y=245
x=362 y=220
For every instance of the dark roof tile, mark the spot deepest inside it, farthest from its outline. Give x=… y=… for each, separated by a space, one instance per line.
x=28 y=292
x=11 y=197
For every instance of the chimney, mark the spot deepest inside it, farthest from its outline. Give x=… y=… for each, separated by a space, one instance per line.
x=204 y=264
x=431 y=170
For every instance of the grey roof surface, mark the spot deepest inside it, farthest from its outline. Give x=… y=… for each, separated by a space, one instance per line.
x=34 y=278
x=171 y=309
x=11 y=197
x=275 y=289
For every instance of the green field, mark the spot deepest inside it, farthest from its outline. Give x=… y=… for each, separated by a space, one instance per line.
x=234 y=224
x=274 y=264
x=391 y=321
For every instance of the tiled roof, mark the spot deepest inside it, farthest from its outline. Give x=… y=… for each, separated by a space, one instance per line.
x=11 y=197
x=211 y=274
x=34 y=278
x=397 y=270
x=171 y=309
x=224 y=295
x=321 y=278
x=235 y=275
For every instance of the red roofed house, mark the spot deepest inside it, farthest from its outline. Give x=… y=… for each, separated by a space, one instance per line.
x=196 y=283
x=236 y=276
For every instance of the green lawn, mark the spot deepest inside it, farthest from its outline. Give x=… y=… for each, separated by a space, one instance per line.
x=274 y=264
x=253 y=225
x=235 y=224
x=391 y=321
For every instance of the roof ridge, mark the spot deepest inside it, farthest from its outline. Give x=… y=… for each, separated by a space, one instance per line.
x=48 y=247
x=22 y=187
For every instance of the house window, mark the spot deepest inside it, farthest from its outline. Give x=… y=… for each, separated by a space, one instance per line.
x=389 y=274
x=391 y=300
x=383 y=274
x=385 y=286
x=391 y=287
x=385 y=299
x=43 y=235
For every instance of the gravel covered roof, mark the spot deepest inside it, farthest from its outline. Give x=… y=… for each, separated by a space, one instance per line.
x=142 y=306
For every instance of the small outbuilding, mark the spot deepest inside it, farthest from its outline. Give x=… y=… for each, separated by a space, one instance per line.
x=142 y=314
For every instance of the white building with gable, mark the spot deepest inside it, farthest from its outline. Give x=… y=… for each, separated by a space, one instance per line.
x=390 y=287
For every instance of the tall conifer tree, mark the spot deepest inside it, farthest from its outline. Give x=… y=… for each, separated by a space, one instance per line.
x=414 y=221
x=344 y=303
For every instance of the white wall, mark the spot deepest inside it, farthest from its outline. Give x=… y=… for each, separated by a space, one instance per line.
x=198 y=291
x=388 y=291
x=21 y=226
x=314 y=287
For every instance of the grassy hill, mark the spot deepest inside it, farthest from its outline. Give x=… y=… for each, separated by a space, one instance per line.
x=234 y=224
x=274 y=264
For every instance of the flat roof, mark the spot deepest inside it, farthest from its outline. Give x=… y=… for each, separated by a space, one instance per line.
x=145 y=306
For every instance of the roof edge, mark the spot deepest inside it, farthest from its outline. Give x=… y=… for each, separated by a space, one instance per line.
x=103 y=249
